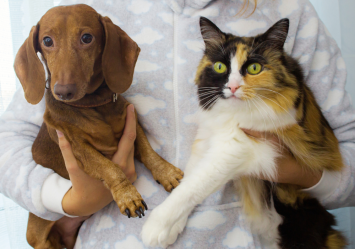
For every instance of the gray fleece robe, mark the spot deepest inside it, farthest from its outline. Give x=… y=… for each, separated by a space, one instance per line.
x=164 y=95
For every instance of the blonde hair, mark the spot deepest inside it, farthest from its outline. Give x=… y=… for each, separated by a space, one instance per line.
x=245 y=8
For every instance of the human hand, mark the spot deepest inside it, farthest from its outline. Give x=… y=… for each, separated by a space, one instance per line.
x=288 y=169
x=67 y=228
x=88 y=195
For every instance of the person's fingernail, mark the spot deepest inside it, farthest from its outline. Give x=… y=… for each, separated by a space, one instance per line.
x=59 y=133
x=131 y=108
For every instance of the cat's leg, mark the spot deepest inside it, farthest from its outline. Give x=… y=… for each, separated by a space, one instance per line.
x=168 y=219
x=257 y=202
x=197 y=151
x=178 y=227
x=259 y=209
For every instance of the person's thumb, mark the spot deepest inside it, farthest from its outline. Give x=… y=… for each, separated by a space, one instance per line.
x=69 y=158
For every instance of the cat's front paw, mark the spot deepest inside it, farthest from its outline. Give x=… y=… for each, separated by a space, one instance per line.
x=156 y=229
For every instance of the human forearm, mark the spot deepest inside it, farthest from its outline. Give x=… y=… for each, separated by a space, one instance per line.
x=21 y=178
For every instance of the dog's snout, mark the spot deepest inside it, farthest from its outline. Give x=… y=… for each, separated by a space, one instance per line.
x=65 y=92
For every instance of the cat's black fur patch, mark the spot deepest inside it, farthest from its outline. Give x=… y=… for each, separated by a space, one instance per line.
x=305 y=227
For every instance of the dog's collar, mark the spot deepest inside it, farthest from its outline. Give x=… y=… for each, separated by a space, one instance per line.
x=113 y=99
x=100 y=97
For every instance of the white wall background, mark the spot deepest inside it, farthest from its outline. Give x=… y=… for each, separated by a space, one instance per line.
x=18 y=16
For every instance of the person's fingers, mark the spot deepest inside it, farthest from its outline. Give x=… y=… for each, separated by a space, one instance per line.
x=126 y=142
x=69 y=158
x=130 y=170
x=253 y=133
x=261 y=135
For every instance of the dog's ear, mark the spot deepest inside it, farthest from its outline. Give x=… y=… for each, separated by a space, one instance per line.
x=29 y=68
x=119 y=57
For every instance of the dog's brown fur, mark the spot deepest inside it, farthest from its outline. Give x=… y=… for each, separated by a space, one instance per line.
x=90 y=121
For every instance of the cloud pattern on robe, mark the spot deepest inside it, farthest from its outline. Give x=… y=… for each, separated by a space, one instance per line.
x=164 y=96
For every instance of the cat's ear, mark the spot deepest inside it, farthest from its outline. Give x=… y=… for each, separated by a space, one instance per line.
x=211 y=34
x=277 y=34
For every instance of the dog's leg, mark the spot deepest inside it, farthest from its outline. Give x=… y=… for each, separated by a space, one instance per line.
x=96 y=165
x=47 y=153
x=39 y=233
x=162 y=171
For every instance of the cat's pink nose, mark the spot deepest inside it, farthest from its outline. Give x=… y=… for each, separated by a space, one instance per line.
x=233 y=85
x=233 y=89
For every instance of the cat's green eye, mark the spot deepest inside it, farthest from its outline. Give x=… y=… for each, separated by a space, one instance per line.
x=254 y=68
x=219 y=67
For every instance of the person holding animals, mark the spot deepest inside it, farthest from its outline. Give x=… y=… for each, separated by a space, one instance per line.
x=164 y=96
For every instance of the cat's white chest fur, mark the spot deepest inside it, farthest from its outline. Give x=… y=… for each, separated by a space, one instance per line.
x=221 y=152
x=252 y=114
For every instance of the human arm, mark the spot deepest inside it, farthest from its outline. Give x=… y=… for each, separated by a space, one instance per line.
x=88 y=195
x=325 y=74
x=21 y=179
x=288 y=169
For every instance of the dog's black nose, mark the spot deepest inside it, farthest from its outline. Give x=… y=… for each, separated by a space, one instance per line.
x=65 y=92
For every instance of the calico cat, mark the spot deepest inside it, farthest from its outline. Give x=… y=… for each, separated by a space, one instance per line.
x=250 y=82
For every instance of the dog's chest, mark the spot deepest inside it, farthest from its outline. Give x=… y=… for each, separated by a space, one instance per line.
x=101 y=127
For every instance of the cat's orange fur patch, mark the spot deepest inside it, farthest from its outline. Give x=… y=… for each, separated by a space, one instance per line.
x=241 y=54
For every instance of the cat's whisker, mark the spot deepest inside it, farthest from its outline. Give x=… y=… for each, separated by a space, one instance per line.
x=266 y=112
x=277 y=104
x=260 y=88
x=276 y=129
x=209 y=92
x=251 y=113
x=278 y=119
x=253 y=101
x=206 y=97
x=205 y=104
x=210 y=101
x=214 y=102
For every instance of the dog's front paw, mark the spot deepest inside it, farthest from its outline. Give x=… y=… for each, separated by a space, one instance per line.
x=156 y=229
x=168 y=175
x=129 y=201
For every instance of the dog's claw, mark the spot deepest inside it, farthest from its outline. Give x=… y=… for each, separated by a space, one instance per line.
x=138 y=213
x=141 y=209
x=128 y=213
x=157 y=181
x=145 y=205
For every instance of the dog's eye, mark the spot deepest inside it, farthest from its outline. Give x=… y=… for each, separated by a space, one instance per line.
x=47 y=41
x=86 y=38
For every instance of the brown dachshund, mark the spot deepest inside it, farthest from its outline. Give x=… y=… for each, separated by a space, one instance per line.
x=90 y=62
